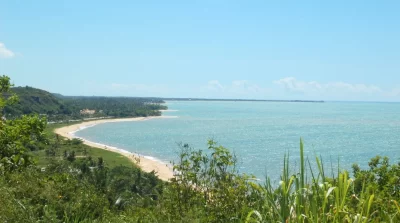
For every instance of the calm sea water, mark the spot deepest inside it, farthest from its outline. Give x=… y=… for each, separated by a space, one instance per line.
x=260 y=133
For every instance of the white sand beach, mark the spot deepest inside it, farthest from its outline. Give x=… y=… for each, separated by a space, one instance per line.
x=163 y=170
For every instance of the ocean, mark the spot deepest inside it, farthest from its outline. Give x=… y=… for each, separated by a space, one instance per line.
x=261 y=133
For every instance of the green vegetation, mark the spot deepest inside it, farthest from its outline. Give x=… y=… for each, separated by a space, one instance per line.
x=74 y=183
x=69 y=188
x=19 y=135
x=32 y=100
x=57 y=147
x=116 y=106
x=325 y=199
x=61 y=108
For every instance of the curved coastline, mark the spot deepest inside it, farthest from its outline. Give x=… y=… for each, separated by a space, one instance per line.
x=146 y=163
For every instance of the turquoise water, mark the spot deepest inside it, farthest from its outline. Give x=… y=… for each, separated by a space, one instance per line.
x=260 y=133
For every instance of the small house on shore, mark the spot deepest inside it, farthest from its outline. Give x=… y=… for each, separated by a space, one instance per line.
x=87 y=111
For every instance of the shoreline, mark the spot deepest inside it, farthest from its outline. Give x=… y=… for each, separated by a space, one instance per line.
x=146 y=163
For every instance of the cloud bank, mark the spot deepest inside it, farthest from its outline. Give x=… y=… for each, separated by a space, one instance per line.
x=336 y=90
x=141 y=89
x=288 y=88
x=5 y=53
x=293 y=85
x=241 y=89
x=237 y=88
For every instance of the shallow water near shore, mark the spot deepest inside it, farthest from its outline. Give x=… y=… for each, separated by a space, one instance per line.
x=260 y=133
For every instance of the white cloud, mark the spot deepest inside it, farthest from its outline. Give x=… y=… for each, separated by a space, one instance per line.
x=139 y=89
x=236 y=89
x=291 y=84
x=395 y=92
x=215 y=85
x=4 y=52
x=286 y=88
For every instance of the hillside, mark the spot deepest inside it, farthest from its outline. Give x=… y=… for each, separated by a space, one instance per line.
x=33 y=100
x=116 y=106
x=58 y=107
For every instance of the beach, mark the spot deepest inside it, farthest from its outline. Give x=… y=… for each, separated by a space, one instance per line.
x=163 y=171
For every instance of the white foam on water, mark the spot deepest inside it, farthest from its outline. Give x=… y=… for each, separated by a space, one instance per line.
x=82 y=127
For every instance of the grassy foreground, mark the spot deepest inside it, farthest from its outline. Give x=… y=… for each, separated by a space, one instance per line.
x=84 y=184
x=81 y=150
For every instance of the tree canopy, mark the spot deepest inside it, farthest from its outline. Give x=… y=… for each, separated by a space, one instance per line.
x=17 y=136
x=57 y=107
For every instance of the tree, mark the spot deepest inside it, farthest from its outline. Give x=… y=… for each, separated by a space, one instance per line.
x=210 y=180
x=17 y=136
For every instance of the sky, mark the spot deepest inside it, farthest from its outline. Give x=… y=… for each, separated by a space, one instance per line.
x=306 y=50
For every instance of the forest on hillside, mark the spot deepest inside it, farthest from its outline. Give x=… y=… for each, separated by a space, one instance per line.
x=57 y=107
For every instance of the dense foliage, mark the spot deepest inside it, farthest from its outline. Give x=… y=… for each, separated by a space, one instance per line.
x=17 y=136
x=76 y=185
x=208 y=189
x=70 y=192
x=116 y=106
x=32 y=100
x=58 y=108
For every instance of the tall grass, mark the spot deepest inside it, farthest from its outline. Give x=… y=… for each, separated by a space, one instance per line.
x=318 y=199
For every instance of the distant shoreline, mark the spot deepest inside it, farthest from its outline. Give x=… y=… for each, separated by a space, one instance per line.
x=239 y=100
x=147 y=164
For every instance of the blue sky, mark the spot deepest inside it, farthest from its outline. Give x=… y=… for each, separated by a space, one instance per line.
x=342 y=50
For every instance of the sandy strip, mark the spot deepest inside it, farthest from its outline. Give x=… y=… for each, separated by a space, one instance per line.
x=163 y=171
